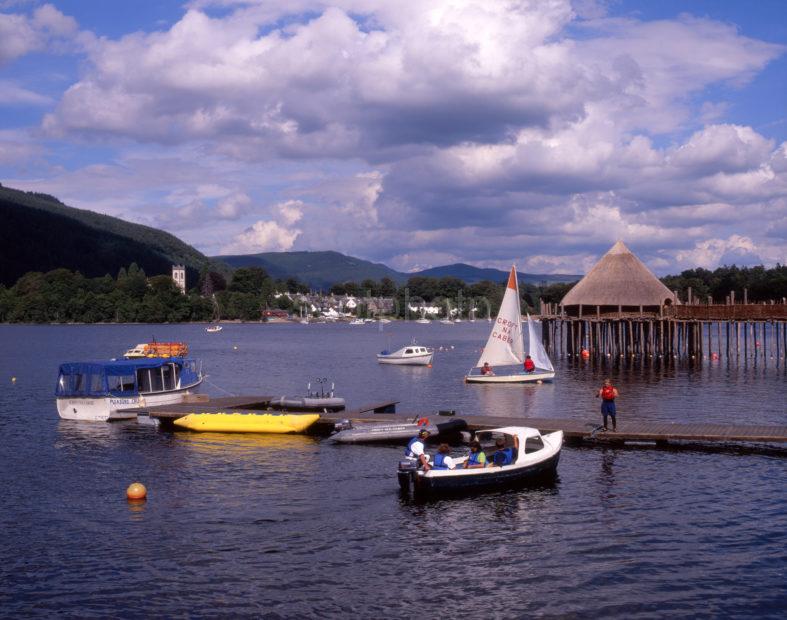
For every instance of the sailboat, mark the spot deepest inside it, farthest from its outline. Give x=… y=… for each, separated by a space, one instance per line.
x=505 y=346
x=215 y=328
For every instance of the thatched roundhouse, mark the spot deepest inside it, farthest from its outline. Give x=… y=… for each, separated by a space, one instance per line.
x=618 y=283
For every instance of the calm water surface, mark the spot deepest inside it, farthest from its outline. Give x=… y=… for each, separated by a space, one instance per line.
x=292 y=527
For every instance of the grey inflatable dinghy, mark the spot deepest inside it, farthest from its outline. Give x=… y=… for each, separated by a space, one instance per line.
x=394 y=432
x=320 y=399
x=325 y=403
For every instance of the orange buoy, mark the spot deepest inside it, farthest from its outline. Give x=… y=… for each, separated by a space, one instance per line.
x=714 y=356
x=428 y=365
x=136 y=490
x=584 y=353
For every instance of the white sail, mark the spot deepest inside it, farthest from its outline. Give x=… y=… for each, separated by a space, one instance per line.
x=536 y=350
x=505 y=345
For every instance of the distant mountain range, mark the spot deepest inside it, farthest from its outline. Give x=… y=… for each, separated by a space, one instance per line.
x=40 y=233
x=322 y=269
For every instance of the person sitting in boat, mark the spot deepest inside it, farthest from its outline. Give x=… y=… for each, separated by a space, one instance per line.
x=441 y=459
x=476 y=459
x=530 y=366
x=503 y=455
x=416 y=449
x=486 y=369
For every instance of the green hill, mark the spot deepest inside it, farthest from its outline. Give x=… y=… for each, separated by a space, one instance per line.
x=322 y=269
x=40 y=233
x=472 y=275
x=317 y=269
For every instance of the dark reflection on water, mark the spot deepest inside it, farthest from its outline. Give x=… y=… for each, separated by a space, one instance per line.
x=291 y=526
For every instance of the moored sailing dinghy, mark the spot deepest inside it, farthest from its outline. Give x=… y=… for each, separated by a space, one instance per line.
x=505 y=346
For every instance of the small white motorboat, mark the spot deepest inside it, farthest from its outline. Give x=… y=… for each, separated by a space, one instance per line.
x=423 y=321
x=213 y=329
x=358 y=322
x=447 y=322
x=527 y=456
x=411 y=355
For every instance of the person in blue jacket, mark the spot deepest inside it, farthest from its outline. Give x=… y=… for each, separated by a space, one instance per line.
x=416 y=449
x=476 y=459
x=505 y=456
x=441 y=459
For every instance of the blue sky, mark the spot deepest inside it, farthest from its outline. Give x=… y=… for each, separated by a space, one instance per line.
x=415 y=133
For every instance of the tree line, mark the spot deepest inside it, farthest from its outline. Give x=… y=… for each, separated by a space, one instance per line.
x=63 y=296
x=761 y=284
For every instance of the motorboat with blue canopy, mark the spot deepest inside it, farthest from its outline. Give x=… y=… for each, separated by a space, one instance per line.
x=96 y=390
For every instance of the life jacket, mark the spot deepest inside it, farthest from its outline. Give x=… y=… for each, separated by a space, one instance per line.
x=529 y=365
x=439 y=461
x=503 y=457
x=408 y=452
x=608 y=392
x=474 y=458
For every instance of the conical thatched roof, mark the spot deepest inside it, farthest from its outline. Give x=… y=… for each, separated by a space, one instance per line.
x=618 y=279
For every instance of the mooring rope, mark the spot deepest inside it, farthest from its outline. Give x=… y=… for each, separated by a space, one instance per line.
x=218 y=387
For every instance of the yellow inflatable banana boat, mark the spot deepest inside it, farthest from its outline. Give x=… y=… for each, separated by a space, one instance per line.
x=247 y=422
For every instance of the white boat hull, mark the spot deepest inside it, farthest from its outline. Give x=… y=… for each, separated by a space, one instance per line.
x=413 y=360
x=528 y=467
x=100 y=409
x=523 y=377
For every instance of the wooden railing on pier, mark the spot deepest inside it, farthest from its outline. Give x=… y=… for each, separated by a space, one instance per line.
x=693 y=330
x=721 y=312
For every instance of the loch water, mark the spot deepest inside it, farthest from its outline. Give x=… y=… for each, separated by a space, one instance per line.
x=294 y=526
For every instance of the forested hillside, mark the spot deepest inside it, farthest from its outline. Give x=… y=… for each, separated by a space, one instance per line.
x=40 y=233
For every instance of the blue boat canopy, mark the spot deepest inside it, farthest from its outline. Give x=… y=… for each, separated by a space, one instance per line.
x=125 y=378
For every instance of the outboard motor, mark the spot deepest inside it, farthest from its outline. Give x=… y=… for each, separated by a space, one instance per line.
x=407 y=472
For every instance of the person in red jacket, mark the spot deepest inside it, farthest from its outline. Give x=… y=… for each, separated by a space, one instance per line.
x=608 y=394
x=529 y=365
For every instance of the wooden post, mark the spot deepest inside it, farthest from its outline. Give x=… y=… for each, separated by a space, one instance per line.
x=745 y=296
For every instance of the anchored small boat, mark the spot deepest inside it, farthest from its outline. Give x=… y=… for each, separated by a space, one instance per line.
x=393 y=432
x=96 y=391
x=505 y=346
x=531 y=456
x=412 y=355
x=157 y=349
x=247 y=422
x=214 y=329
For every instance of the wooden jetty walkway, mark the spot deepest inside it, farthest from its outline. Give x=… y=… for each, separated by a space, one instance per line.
x=576 y=431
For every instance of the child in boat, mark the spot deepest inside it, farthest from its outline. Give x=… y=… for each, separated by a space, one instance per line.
x=503 y=455
x=441 y=459
x=476 y=459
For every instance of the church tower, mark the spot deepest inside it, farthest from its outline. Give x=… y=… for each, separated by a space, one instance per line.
x=179 y=276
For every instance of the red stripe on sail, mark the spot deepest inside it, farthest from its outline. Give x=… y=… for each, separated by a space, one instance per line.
x=512 y=278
